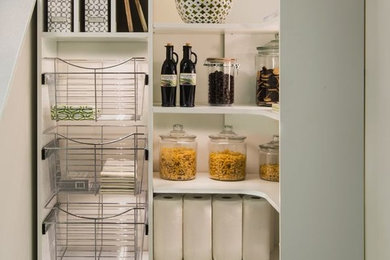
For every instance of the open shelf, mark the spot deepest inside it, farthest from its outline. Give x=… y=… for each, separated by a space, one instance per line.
x=205 y=109
x=85 y=36
x=267 y=27
x=252 y=185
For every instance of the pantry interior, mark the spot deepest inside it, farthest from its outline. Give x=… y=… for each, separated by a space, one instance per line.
x=237 y=38
x=249 y=25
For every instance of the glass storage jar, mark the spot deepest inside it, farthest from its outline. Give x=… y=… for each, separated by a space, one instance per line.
x=269 y=160
x=178 y=155
x=222 y=72
x=267 y=79
x=227 y=155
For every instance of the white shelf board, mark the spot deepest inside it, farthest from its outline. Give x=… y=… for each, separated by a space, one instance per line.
x=252 y=185
x=267 y=27
x=204 y=109
x=85 y=36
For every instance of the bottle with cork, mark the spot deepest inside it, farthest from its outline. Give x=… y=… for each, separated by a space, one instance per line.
x=187 y=79
x=169 y=77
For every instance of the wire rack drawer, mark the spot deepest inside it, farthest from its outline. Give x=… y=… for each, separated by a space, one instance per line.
x=96 y=159
x=97 y=230
x=96 y=90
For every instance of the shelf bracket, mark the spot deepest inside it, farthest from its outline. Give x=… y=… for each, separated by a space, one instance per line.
x=43 y=79
x=46 y=152
x=47 y=222
x=146 y=154
x=146 y=79
x=146 y=229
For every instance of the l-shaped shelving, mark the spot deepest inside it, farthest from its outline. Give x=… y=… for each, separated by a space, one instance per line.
x=252 y=185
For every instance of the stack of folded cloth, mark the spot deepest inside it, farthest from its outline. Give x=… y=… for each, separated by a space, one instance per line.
x=117 y=176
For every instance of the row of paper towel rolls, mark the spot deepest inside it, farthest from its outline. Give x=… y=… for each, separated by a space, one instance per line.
x=219 y=227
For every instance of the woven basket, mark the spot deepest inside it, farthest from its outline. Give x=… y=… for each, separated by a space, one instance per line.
x=203 y=11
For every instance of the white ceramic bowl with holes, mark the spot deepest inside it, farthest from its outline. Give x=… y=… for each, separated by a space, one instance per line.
x=203 y=11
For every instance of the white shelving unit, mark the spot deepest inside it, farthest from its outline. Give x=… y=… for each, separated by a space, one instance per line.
x=97 y=37
x=267 y=27
x=252 y=185
x=119 y=44
x=232 y=110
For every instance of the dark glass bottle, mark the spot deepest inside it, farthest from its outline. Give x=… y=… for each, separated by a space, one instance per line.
x=187 y=77
x=169 y=78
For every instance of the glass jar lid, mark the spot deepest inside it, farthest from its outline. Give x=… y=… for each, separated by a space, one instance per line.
x=271 y=146
x=222 y=62
x=270 y=48
x=178 y=134
x=227 y=134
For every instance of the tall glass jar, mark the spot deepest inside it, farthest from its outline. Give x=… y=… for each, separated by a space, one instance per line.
x=269 y=160
x=227 y=155
x=178 y=155
x=267 y=79
x=222 y=72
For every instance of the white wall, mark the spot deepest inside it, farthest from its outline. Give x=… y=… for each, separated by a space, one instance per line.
x=14 y=18
x=17 y=157
x=322 y=129
x=377 y=130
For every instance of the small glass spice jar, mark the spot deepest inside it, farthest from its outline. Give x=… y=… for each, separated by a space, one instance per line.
x=267 y=79
x=269 y=160
x=227 y=155
x=178 y=155
x=222 y=72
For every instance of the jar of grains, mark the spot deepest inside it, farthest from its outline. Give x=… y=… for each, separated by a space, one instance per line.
x=178 y=155
x=267 y=67
x=222 y=72
x=227 y=157
x=269 y=160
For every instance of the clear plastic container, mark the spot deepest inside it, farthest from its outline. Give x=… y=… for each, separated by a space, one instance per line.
x=227 y=156
x=267 y=67
x=269 y=160
x=222 y=72
x=178 y=155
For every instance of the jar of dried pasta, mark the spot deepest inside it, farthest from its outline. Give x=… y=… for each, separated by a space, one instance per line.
x=227 y=157
x=269 y=160
x=178 y=155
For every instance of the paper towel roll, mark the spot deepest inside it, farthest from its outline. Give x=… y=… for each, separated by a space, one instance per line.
x=227 y=227
x=258 y=227
x=197 y=242
x=168 y=227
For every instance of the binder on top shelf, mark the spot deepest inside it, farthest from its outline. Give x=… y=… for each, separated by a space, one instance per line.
x=59 y=15
x=95 y=15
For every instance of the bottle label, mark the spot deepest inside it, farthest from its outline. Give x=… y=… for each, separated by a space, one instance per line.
x=187 y=78
x=168 y=80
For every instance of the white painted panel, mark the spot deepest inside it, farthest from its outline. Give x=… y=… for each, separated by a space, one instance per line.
x=377 y=130
x=101 y=50
x=17 y=155
x=322 y=129
x=14 y=18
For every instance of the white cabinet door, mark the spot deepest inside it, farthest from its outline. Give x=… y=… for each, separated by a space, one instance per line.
x=322 y=130
x=377 y=130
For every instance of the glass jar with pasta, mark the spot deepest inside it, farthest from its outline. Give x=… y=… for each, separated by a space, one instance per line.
x=178 y=155
x=269 y=160
x=227 y=157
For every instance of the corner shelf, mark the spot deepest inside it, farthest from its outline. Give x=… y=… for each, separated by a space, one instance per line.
x=85 y=36
x=252 y=185
x=174 y=28
x=205 y=109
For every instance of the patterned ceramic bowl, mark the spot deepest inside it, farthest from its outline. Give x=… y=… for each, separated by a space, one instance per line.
x=203 y=11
